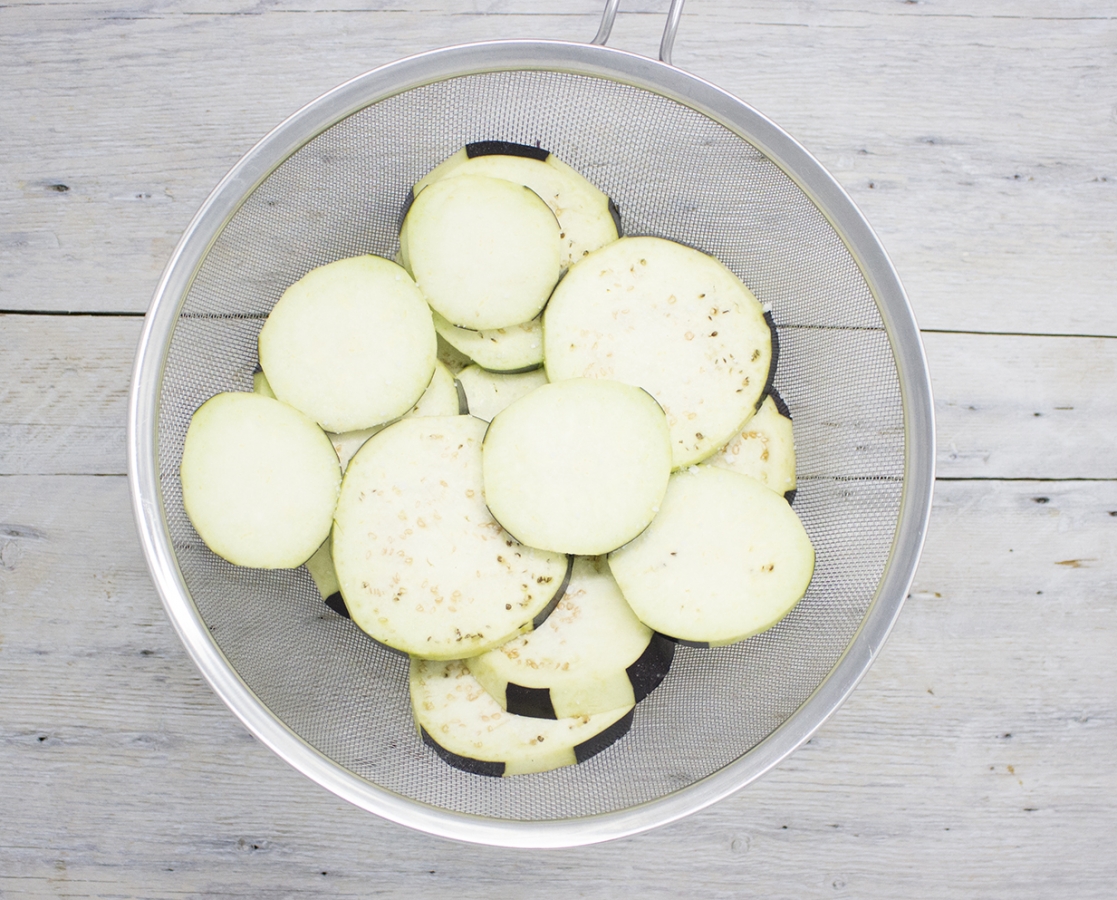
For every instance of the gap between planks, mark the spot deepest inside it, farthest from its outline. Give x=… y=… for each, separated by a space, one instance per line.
x=1016 y=407
x=135 y=314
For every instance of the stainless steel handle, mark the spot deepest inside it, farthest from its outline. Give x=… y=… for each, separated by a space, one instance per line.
x=668 y=39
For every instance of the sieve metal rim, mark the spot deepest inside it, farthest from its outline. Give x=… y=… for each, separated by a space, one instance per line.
x=579 y=59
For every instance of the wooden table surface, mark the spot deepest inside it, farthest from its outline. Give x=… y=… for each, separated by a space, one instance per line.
x=976 y=759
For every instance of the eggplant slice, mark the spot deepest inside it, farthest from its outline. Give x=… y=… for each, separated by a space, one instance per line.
x=674 y=321
x=764 y=450
x=591 y=656
x=579 y=466
x=726 y=558
x=587 y=217
x=259 y=481
x=485 y=252
x=469 y=730
x=422 y=565
x=351 y=344
x=518 y=348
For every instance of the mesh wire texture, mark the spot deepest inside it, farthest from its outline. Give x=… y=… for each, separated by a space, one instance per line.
x=673 y=173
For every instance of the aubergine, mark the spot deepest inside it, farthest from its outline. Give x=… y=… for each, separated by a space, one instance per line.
x=672 y=320
x=422 y=565
x=350 y=344
x=578 y=466
x=764 y=450
x=592 y=655
x=518 y=348
x=488 y=393
x=485 y=252
x=259 y=480
x=467 y=728
x=586 y=216
x=726 y=558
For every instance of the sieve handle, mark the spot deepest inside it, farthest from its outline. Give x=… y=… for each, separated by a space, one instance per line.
x=668 y=39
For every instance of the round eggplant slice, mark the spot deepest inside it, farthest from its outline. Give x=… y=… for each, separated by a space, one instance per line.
x=579 y=466
x=351 y=344
x=726 y=558
x=505 y=350
x=590 y=656
x=488 y=393
x=469 y=730
x=764 y=450
x=671 y=320
x=259 y=481
x=422 y=565
x=484 y=251
x=585 y=219
x=439 y=399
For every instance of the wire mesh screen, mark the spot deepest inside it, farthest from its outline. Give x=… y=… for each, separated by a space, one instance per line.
x=673 y=173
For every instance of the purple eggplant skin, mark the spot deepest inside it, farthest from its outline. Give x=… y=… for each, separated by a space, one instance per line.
x=775 y=359
x=472 y=766
x=408 y=200
x=606 y=738
x=583 y=751
x=645 y=675
x=781 y=404
x=520 y=371
x=648 y=672
x=337 y=603
x=463 y=401
x=615 y=212
x=505 y=148
x=542 y=615
x=532 y=702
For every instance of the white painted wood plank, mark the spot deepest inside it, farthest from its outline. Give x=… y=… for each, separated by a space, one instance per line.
x=973 y=145
x=980 y=739
x=979 y=143
x=1024 y=407
x=64 y=392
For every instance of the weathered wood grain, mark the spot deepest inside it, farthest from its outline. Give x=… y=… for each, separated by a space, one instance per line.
x=1016 y=407
x=982 y=144
x=1007 y=407
x=988 y=712
x=64 y=392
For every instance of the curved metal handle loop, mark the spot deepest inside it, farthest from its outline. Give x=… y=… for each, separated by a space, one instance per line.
x=606 y=25
x=665 y=44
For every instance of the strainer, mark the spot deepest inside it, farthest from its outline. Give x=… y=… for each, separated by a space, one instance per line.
x=683 y=160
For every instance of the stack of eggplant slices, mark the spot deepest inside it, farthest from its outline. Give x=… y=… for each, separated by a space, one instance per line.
x=609 y=476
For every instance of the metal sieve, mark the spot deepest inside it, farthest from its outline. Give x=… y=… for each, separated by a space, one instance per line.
x=683 y=160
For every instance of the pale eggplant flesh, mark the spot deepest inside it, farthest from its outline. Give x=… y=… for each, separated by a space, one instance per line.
x=646 y=674
x=583 y=751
